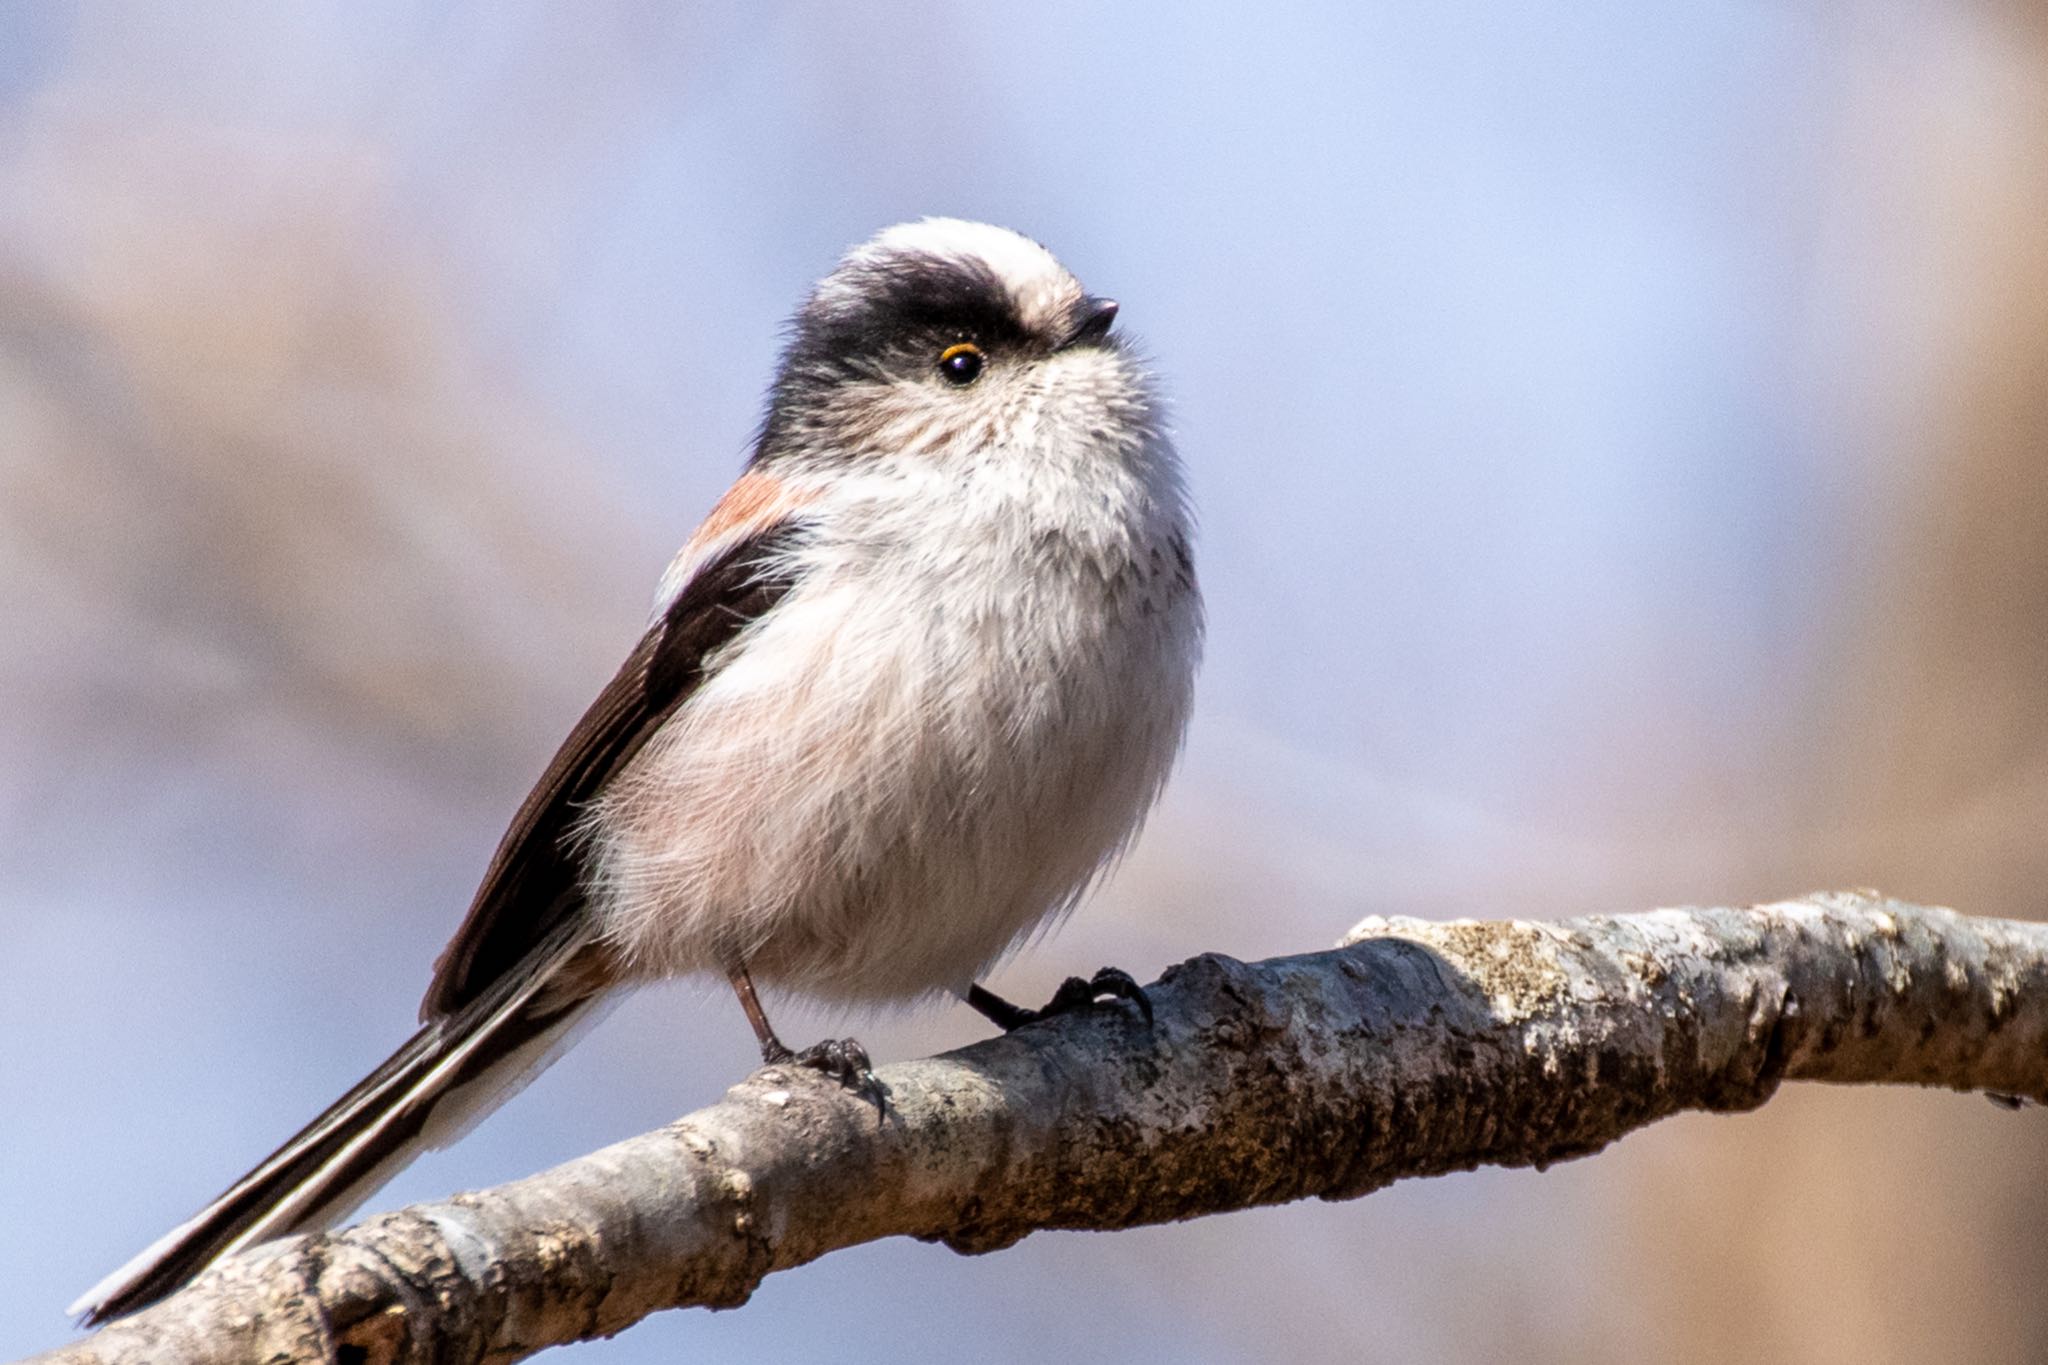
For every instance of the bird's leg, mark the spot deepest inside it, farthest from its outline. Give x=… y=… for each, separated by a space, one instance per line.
x=1074 y=993
x=841 y=1058
x=773 y=1049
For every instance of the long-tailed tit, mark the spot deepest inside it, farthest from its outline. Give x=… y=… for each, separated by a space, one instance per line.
x=909 y=688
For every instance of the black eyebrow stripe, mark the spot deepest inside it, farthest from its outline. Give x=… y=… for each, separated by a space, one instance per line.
x=911 y=298
x=888 y=318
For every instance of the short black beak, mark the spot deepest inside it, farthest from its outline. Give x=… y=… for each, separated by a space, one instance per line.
x=1091 y=321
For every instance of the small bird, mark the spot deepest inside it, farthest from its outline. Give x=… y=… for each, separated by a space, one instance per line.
x=907 y=691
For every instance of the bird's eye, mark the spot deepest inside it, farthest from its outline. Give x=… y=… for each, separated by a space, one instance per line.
x=960 y=363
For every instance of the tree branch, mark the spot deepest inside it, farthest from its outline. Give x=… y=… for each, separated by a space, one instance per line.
x=1415 y=1049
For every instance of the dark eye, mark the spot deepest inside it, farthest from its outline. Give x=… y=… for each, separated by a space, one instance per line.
x=961 y=363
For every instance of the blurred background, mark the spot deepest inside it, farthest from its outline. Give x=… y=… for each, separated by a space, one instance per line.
x=1622 y=440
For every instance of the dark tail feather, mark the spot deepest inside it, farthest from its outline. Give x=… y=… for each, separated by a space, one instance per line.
x=449 y=1075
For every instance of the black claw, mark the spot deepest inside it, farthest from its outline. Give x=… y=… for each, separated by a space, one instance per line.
x=841 y=1058
x=1074 y=993
x=844 y=1060
x=1117 y=984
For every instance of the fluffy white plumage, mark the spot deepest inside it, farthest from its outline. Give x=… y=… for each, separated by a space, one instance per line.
x=958 y=715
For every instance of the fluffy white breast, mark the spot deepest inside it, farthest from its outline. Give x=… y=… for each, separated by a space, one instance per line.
x=933 y=742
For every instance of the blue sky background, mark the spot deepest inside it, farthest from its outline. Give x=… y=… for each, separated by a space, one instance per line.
x=1618 y=435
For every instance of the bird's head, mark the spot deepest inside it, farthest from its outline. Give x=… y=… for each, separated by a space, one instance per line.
x=944 y=338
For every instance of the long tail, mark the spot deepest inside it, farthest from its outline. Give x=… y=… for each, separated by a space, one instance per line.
x=454 y=1071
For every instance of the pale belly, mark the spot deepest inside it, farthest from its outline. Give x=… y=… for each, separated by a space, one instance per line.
x=875 y=798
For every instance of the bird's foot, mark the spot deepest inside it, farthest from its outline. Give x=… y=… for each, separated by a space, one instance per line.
x=1075 y=993
x=843 y=1059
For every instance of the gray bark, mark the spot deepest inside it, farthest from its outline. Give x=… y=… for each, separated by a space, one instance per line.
x=1416 y=1048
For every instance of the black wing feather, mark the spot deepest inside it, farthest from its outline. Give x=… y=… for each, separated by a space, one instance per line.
x=535 y=878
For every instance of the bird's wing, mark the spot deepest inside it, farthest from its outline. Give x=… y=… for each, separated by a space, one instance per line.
x=732 y=572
